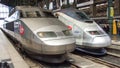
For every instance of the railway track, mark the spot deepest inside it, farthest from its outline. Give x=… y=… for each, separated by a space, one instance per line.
x=102 y=60
x=115 y=45
x=110 y=60
x=114 y=49
x=33 y=63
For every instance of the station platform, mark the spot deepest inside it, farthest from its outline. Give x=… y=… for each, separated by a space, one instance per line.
x=9 y=57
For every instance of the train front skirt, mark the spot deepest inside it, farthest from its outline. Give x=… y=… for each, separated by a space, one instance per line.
x=46 y=58
x=100 y=51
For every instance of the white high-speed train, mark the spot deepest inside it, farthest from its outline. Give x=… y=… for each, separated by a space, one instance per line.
x=90 y=37
x=43 y=38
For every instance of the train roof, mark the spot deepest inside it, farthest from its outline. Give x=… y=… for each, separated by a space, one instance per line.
x=37 y=23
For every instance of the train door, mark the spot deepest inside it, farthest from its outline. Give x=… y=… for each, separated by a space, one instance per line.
x=78 y=33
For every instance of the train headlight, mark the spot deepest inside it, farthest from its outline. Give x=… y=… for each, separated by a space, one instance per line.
x=41 y=34
x=46 y=34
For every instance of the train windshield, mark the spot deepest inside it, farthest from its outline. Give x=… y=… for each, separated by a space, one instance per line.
x=77 y=15
x=30 y=14
x=82 y=16
x=46 y=34
x=67 y=33
x=95 y=32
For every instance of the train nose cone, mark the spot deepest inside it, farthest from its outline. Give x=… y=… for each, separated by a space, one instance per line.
x=102 y=41
x=59 y=46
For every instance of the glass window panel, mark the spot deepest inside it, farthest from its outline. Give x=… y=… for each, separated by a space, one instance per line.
x=4 y=11
x=95 y=32
x=32 y=14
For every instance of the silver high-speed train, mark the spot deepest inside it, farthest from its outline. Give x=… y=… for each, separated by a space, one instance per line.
x=90 y=37
x=46 y=39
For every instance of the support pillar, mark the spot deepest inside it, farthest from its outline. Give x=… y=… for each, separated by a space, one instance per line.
x=117 y=7
x=93 y=9
x=110 y=15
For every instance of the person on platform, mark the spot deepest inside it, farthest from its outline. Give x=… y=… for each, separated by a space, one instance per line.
x=106 y=28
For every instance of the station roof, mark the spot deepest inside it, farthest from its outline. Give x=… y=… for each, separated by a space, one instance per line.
x=17 y=2
x=8 y=2
x=24 y=2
